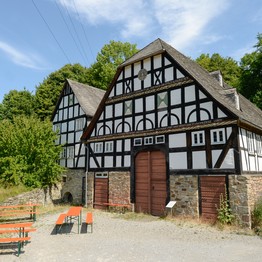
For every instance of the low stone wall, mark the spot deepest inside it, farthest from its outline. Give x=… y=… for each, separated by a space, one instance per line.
x=184 y=190
x=119 y=187
x=244 y=191
x=39 y=196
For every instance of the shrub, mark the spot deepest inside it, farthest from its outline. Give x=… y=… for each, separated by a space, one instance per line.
x=256 y=216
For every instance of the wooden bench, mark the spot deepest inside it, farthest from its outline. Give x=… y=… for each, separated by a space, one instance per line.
x=19 y=211
x=89 y=220
x=16 y=233
x=60 y=222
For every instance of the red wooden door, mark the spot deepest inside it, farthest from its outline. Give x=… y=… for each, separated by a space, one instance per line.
x=101 y=192
x=150 y=185
x=211 y=187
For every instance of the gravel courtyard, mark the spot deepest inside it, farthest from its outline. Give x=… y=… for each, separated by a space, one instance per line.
x=129 y=237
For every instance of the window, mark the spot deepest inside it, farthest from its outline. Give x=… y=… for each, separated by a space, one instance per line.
x=198 y=138
x=149 y=140
x=63 y=153
x=109 y=146
x=250 y=143
x=80 y=124
x=137 y=141
x=160 y=139
x=101 y=175
x=98 y=147
x=70 y=152
x=218 y=136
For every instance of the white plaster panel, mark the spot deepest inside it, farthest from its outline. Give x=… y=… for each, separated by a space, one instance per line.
x=209 y=107
x=228 y=131
x=127 y=145
x=78 y=135
x=64 y=127
x=137 y=84
x=177 y=140
x=56 y=118
x=229 y=160
x=71 y=125
x=62 y=162
x=76 y=110
x=92 y=163
x=169 y=74
x=259 y=160
x=173 y=119
x=117 y=128
x=152 y=118
x=119 y=89
x=65 y=116
x=75 y=99
x=190 y=94
x=137 y=67
x=188 y=110
x=63 y=139
x=108 y=128
x=81 y=112
x=119 y=145
x=252 y=162
x=215 y=156
x=201 y=95
x=70 y=114
x=243 y=138
x=147 y=64
x=167 y=62
x=162 y=114
x=60 y=115
x=220 y=113
x=70 y=163
x=199 y=159
x=178 y=160
x=70 y=138
x=147 y=81
x=82 y=151
x=118 y=161
x=118 y=109
x=157 y=61
x=128 y=71
x=127 y=161
x=150 y=103
x=179 y=74
x=126 y=127
x=120 y=77
x=81 y=162
x=64 y=102
x=137 y=120
x=139 y=105
x=176 y=97
x=108 y=161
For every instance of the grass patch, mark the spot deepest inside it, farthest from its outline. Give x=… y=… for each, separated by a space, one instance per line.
x=5 y=193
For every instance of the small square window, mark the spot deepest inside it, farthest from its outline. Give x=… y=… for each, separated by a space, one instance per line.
x=149 y=140
x=137 y=141
x=109 y=146
x=218 y=136
x=198 y=138
x=98 y=147
x=160 y=139
x=101 y=175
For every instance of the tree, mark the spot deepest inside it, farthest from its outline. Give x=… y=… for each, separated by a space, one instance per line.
x=228 y=67
x=250 y=84
x=47 y=93
x=28 y=154
x=17 y=103
x=110 y=57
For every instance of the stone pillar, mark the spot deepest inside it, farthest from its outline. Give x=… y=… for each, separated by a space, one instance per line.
x=119 y=187
x=184 y=190
x=90 y=188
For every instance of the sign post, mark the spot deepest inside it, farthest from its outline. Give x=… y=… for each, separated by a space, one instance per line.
x=170 y=206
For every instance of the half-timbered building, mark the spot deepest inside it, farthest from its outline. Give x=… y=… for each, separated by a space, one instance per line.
x=166 y=130
x=74 y=110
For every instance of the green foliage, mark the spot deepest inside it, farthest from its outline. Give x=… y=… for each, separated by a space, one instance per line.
x=228 y=67
x=224 y=215
x=17 y=103
x=47 y=93
x=101 y=73
x=28 y=154
x=251 y=74
x=257 y=218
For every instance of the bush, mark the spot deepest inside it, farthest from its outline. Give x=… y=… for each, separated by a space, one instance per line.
x=256 y=216
x=224 y=215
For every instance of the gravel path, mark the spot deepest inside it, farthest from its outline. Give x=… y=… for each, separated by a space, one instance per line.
x=127 y=237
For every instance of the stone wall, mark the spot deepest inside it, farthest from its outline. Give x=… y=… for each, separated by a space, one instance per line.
x=184 y=190
x=244 y=191
x=39 y=196
x=90 y=188
x=72 y=186
x=119 y=187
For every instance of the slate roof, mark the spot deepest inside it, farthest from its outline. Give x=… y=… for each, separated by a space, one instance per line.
x=89 y=97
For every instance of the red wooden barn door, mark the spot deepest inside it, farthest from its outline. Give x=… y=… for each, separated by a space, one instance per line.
x=150 y=185
x=211 y=187
x=101 y=191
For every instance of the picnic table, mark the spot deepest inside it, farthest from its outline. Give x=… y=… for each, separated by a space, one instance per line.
x=75 y=213
x=19 y=211
x=16 y=233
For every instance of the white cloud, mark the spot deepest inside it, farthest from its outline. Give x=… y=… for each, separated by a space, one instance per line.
x=23 y=59
x=176 y=21
x=239 y=53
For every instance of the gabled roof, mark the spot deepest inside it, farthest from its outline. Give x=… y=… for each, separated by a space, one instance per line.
x=247 y=112
x=89 y=97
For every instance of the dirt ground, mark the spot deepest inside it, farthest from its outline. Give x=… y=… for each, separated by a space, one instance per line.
x=130 y=237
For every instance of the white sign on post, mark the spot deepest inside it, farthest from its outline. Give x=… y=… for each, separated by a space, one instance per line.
x=170 y=205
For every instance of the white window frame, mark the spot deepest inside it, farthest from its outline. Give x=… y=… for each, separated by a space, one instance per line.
x=98 y=147
x=161 y=138
x=70 y=152
x=138 y=142
x=148 y=140
x=218 y=136
x=101 y=175
x=109 y=146
x=250 y=143
x=197 y=137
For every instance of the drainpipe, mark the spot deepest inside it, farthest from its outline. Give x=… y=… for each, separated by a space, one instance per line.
x=87 y=158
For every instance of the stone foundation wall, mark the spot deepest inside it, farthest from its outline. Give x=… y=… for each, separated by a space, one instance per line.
x=184 y=190
x=90 y=188
x=244 y=191
x=39 y=196
x=119 y=187
x=73 y=186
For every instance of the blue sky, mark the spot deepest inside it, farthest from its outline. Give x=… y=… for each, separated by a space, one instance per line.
x=38 y=37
